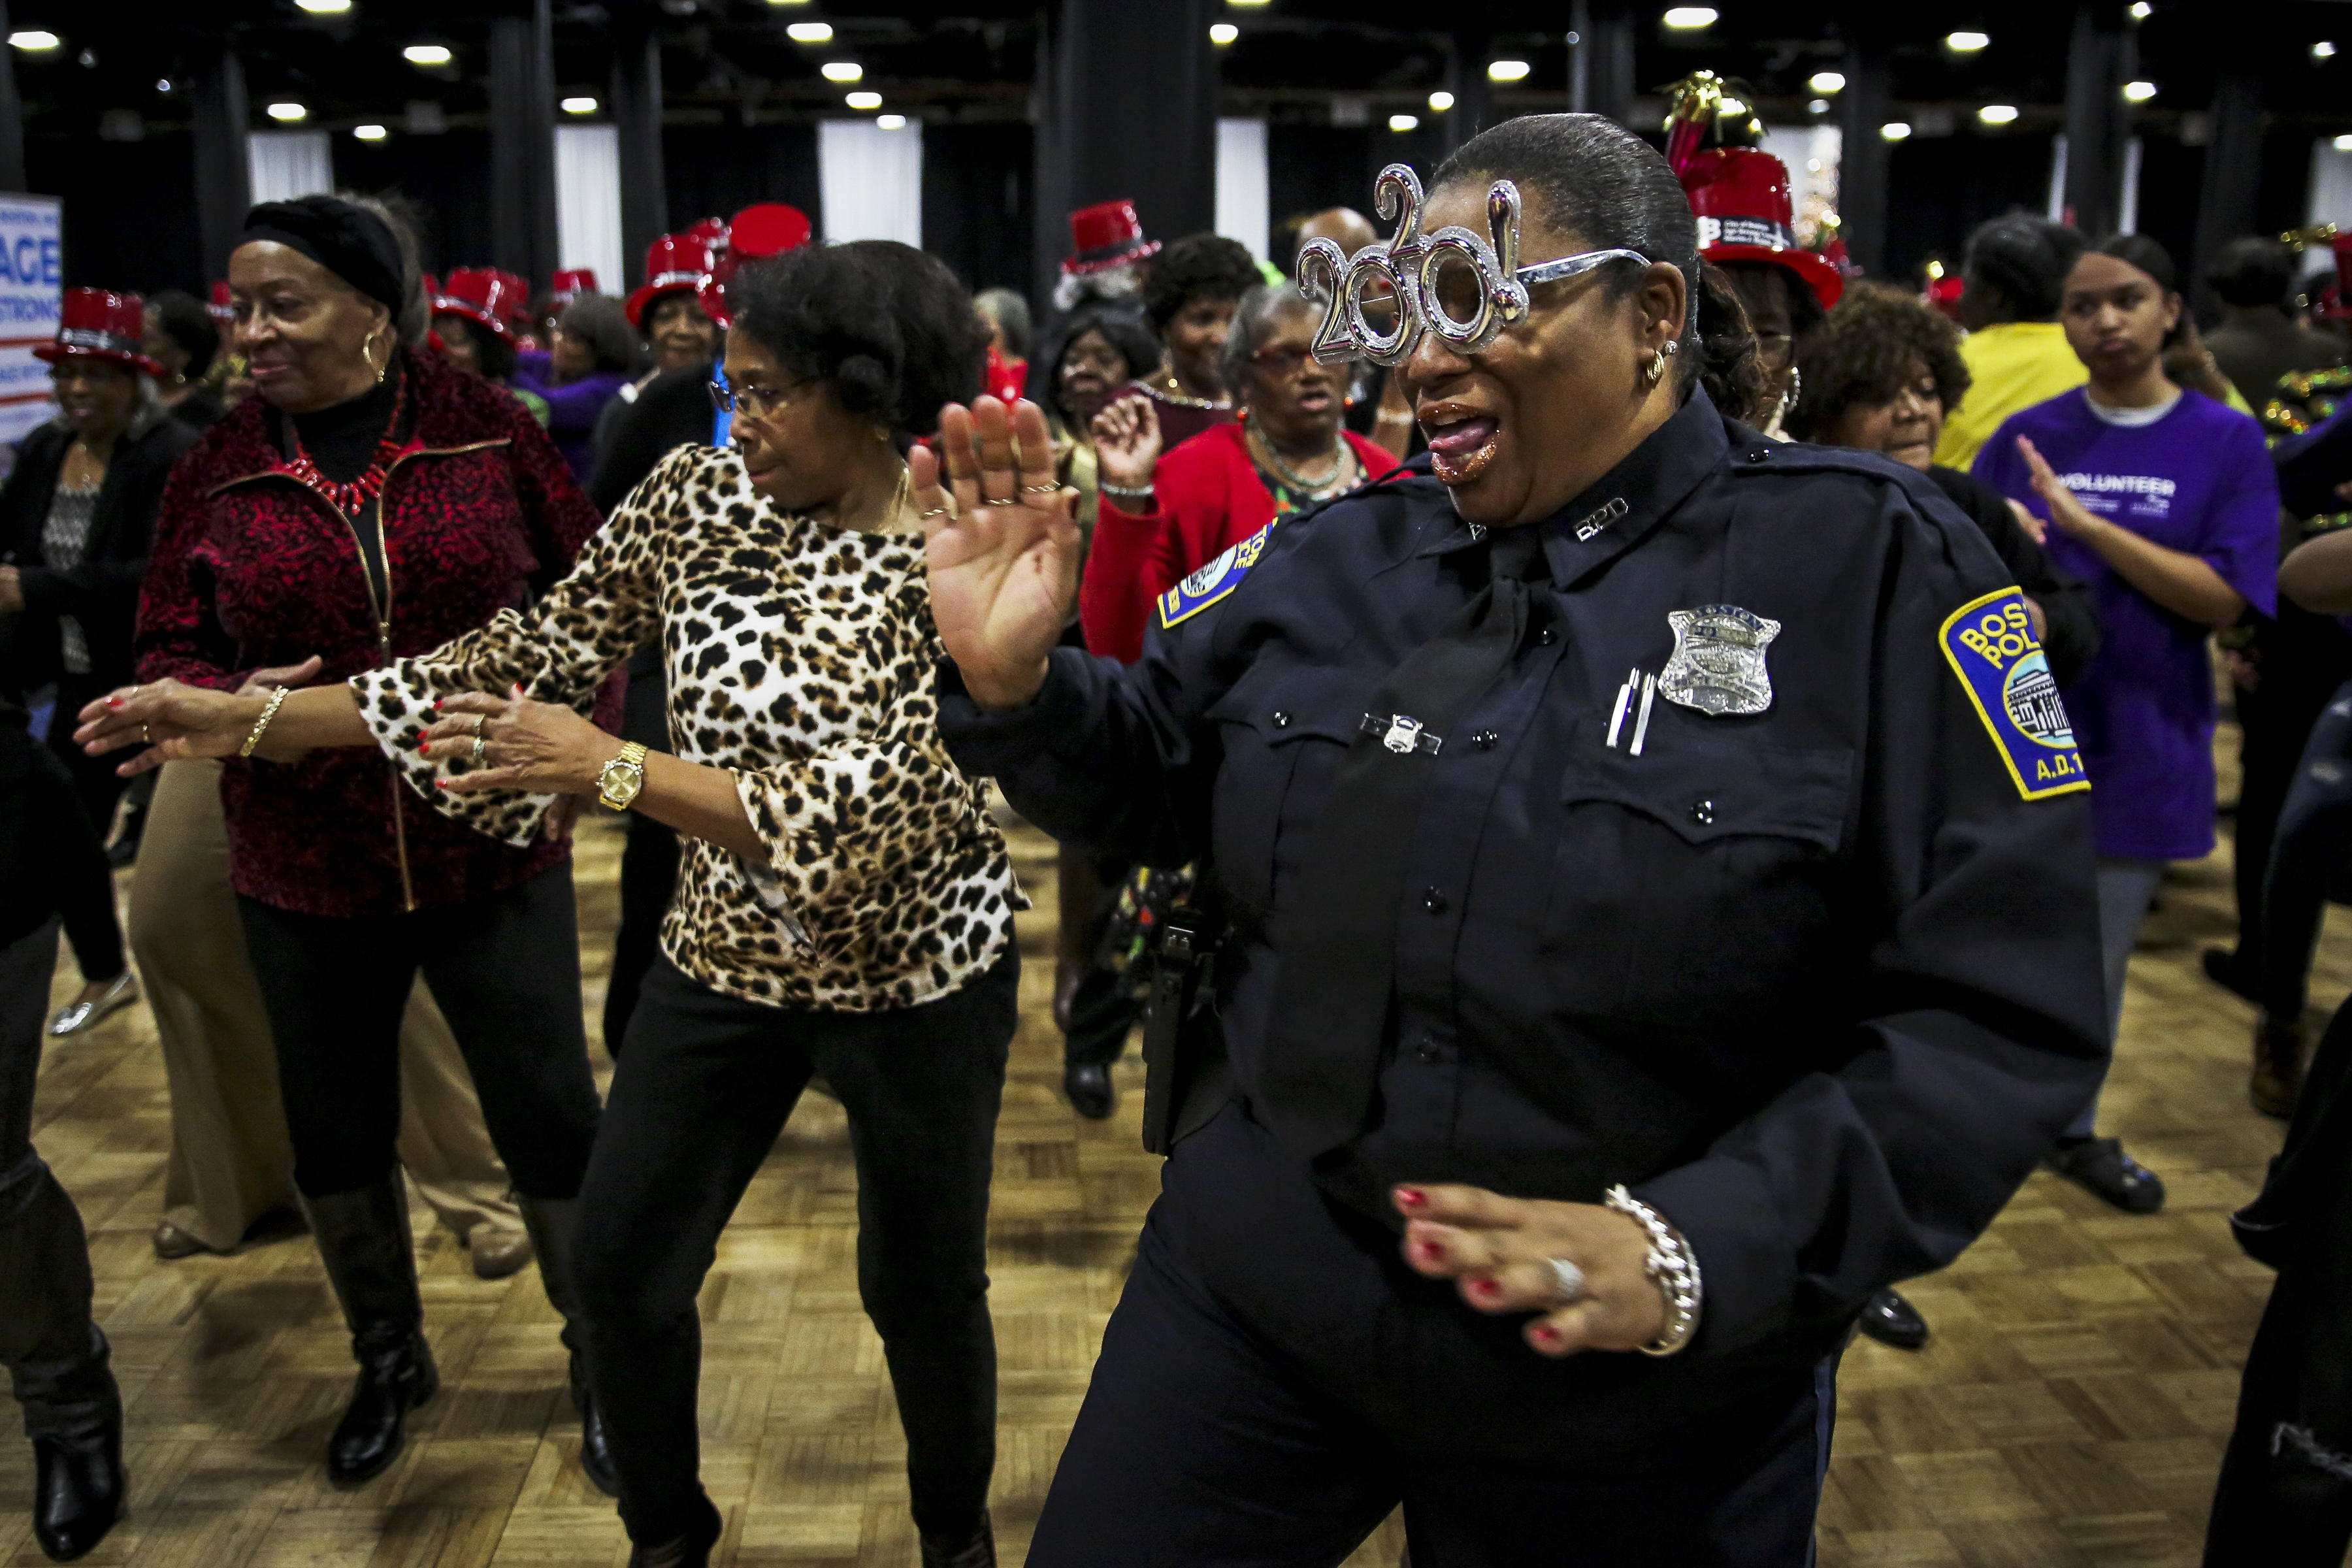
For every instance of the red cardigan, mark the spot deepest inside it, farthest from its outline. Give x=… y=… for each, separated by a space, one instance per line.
x=249 y=568
x=1206 y=499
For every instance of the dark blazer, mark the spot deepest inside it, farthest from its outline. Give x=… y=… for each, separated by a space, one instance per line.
x=102 y=592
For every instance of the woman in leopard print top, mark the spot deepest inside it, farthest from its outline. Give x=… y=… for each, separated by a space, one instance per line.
x=847 y=903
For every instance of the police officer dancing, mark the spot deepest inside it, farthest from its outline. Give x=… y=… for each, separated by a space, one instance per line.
x=1648 y=897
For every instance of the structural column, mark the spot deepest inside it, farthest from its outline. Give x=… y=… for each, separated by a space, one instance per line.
x=1474 y=95
x=636 y=96
x=1864 y=153
x=2233 y=168
x=1600 y=64
x=2097 y=125
x=223 y=174
x=1126 y=106
x=522 y=144
x=12 y=119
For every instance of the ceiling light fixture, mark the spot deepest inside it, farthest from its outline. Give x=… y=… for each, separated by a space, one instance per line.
x=891 y=121
x=842 y=70
x=1997 y=113
x=2344 y=143
x=1684 y=18
x=323 y=7
x=428 y=54
x=2141 y=10
x=1222 y=33
x=861 y=100
x=34 y=40
x=288 y=112
x=370 y=133
x=1819 y=106
x=1439 y=102
x=1966 y=43
x=2140 y=92
x=1404 y=122
x=1895 y=131
x=578 y=106
x=1827 y=81
x=1507 y=70
x=810 y=32
x=2322 y=50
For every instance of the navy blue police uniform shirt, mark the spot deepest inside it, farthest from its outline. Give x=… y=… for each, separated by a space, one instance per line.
x=1819 y=981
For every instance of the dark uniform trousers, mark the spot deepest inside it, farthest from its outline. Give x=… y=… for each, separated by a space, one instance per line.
x=1816 y=979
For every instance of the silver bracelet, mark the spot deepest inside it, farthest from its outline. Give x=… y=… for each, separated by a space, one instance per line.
x=1674 y=1267
x=1122 y=493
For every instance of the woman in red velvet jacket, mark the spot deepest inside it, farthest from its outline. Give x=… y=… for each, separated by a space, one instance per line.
x=371 y=504
x=1164 y=519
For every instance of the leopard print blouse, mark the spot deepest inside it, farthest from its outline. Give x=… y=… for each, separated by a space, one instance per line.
x=799 y=659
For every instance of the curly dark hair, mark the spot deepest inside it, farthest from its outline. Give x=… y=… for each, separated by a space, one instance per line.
x=186 y=323
x=1729 y=365
x=2026 y=260
x=1865 y=354
x=1121 y=325
x=891 y=327
x=1197 y=267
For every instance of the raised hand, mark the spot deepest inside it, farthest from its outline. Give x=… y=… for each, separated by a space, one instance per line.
x=1003 y=549
x=171 y=721
x=1126 y=443
x=2069 y=514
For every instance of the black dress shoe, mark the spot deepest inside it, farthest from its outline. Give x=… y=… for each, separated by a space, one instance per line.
x=2223 y=969
x=1892 y=1321
x=963 y=1549
x=595 y=1449
x=77 y=1494
x=2100 y=1166
x=691 y=1549
x=397 y=1375
x=1089 y=1085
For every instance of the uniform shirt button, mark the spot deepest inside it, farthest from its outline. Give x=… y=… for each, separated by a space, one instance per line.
x=1281 y=719
x=1702 y=813
x=1485 y=739
x=1428 y=1053
x=1546 y=637
x=1758 y=455
x=1433 y=901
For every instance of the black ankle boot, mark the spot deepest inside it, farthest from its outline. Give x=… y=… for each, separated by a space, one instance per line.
x=554 y=1227
x=56 y=1359
x=691 y=1549
x=962 y=1550
x=364 y=1240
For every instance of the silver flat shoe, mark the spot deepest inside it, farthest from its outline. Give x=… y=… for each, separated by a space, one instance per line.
x=75 y=1017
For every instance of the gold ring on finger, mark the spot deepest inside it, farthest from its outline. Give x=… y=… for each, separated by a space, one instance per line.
x=480 y=748
x=482 y=722
x=1040 y=489
x=1008 y=500
x=935 y=512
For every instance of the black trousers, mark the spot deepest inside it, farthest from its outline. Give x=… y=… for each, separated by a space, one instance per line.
x=2310 y=853
x=2303 y=659
x=96 y=784
x=703 y=1087
x=649 y=860
x=505 y=970
x=1274 y=1421
x=55 y=1357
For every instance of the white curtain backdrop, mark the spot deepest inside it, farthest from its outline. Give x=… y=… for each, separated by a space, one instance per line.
x=2331 y=193
x=870 y=181
x=1242 y=200
x=283 y=165
x=588 y=204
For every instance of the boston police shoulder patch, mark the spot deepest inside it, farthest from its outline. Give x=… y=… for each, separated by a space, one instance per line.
x=1990 y=642
x=1213 y=581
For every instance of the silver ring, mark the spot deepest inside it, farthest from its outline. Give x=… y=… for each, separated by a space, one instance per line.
x=1568 y=1280
x=1008 y=500
x=480 y=745
x=1040 y=489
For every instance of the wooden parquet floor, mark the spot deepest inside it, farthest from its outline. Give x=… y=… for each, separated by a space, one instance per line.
x=2069 y=1410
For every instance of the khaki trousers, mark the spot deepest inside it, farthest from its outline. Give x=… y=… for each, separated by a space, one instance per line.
x=230 y=1162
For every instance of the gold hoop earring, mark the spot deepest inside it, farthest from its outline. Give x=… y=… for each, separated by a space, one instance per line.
x=367 y=352
x=1658 y=361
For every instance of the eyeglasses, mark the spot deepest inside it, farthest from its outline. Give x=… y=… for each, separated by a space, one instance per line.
x=1276 y=359
x=752 y=400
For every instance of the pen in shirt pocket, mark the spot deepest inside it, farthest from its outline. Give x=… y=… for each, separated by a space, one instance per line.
x=1634 y=700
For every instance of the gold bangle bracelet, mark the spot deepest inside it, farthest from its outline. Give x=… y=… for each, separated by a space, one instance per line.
x=262 y=723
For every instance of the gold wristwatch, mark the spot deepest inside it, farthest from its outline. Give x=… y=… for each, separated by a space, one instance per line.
x=621 y=778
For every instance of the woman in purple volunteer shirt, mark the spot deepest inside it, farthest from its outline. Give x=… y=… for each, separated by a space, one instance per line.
x=2164 y=502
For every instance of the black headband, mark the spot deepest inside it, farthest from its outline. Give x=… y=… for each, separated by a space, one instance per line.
x=346 y=239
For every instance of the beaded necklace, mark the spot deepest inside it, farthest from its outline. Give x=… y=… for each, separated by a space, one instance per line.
x=352 y=496
x=1174 y=393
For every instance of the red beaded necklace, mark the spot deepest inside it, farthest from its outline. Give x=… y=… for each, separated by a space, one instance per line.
x=352 y=496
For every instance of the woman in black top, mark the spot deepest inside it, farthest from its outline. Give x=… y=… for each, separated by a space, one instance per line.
x=183 y=338
x=1879 y=377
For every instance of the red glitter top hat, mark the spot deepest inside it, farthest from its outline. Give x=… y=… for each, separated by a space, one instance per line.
x=676 y=263
x=1105 y=236
x=768 y=228
x=571 y=282
x=98 y=323
x=1739 y=194
x=224 y=310
x=482 y=295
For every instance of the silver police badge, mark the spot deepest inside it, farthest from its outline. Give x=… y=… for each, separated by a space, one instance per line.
x=1717 y=666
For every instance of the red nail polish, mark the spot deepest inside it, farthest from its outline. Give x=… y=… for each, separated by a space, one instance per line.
x=1487 y=1289
x=1429 y=1252
x=440 y=784
x=436 y=705
x=114 y=702
x=1411 y=1197
x=1545 y=1334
